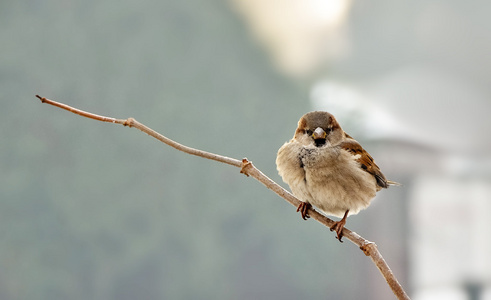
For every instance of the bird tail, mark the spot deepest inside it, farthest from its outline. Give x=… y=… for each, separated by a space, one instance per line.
x=390 y=182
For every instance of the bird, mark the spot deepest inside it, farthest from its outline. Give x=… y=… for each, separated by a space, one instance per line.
x=327 y=168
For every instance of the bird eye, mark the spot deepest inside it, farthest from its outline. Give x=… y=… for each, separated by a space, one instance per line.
x=309 y=132
x=328 y=130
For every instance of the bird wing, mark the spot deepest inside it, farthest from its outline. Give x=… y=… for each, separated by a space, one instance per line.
x=365 y=160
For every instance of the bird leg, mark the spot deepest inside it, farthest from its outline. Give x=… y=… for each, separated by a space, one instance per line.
x=303 y=207
x=339 y=225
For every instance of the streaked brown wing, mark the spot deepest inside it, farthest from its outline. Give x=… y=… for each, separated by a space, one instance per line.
x=365 y=160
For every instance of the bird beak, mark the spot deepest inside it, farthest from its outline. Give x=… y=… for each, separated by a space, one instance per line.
x=319 y=133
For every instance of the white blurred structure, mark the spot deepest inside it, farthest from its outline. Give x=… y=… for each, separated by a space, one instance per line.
x=450 y=244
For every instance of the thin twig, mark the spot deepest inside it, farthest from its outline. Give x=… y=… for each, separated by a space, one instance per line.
x=247 y=168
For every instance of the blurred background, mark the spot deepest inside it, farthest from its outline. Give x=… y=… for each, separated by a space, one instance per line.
x=96 y=211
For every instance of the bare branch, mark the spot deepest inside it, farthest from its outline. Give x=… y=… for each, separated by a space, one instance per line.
x=247 y=168
x=80 y=112
x=130 y=122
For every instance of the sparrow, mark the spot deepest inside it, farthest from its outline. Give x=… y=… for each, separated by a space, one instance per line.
x=327 y=168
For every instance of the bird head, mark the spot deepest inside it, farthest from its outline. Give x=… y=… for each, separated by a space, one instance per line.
x=318 y=128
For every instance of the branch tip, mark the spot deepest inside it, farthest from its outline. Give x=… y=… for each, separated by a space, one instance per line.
x=41 y=98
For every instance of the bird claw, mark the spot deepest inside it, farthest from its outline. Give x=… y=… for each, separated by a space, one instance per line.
x=339 y=225
x=338 y=228
x=303 y=208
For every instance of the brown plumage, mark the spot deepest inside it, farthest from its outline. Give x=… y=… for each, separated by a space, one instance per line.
x=327 y=168
x=365 y=160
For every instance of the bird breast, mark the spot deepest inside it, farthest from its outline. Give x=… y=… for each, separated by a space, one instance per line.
x=329 y=178
x=336 y=181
